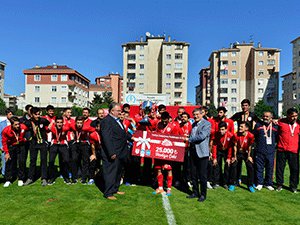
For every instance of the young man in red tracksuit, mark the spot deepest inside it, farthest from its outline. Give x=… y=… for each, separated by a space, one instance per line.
x=243 y=141
x=13 y=142
x=165 y=127
x=288 y=139
x=222 y=150
x=81 y=150
x=59 y=145
x=222 y=118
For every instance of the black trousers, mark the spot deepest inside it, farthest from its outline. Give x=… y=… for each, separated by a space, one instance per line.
x=218 y=176
x=187 y=175
x=264 y=161
x=16 y=165
x=63 y=151
x=95 y=165
x=80 y=152
x=199 y=172
x=35 y=148
x=238 y=164
x=293 y=161
x=112 y=173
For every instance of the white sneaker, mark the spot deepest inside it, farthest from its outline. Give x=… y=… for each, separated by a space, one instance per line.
x=270 y=188
x=7 y=183
x=209 y=185
x=20 y=183
x=259 y=187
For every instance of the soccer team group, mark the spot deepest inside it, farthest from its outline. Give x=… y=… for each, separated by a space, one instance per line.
x=262 y=143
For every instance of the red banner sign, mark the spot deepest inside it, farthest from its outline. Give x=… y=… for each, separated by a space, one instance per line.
x=159 y=146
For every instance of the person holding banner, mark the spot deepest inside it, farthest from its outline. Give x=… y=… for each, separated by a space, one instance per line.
x=199 y=149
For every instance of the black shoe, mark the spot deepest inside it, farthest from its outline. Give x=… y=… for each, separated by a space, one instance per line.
x=192 y=196
x=67 y=181
x=74 y=181
x=201 y=199
x=51 y=182
x=83 y=182
x=294 y=190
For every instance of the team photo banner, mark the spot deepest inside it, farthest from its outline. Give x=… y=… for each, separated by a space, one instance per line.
x=159 y=146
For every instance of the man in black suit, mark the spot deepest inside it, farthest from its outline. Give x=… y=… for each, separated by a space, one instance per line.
x=114 y=149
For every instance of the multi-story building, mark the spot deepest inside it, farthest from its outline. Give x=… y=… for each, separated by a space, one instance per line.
x=10 y=101
x=111 y=83
x=245 y=71
x=2 y=69
x=156 y=66
x=204 y=89
x=57 y=85
x=291 y=81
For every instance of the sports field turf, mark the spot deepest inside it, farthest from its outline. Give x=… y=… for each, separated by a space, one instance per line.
x=82 y=204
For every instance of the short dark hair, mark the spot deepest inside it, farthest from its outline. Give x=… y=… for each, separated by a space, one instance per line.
x=65 y=109
x=206 y=108
x=27 y=107
x=161 y=106
x=79 y=118
x=59 y=118
x=246 y=124
x=245 y=101
x=222 y=108
x=49 y=107
x=200 y=109
x=222 y=124
x=185 y=113
x=34 y=110
x=14 y=119
x=112 y=105
x=126 y=105
x=7 y=111
x=291 y=111
x=165 y=115
x=86 y=108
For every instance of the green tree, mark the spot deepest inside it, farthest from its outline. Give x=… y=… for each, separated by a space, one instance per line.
x=212 y=111
x=261 y=107
x=2 y=107
x=101 y=102
x=76 y=111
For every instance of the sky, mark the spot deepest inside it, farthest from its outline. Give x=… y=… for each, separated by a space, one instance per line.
x=87 y=35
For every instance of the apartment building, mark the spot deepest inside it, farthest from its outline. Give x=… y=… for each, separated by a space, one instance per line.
x=204 y=89
x=156 y=66
x=244 y=71
x=2 y=69
x=57 y=85
x=291 y=81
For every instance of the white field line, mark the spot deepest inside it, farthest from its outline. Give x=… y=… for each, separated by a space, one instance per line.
x=168 y=210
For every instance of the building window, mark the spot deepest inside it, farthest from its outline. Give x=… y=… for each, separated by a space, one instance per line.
x=178 y=75
x=168 y=47
x=233 y=54
x=233 y=63
x=131 y=56
x=54 y=77
x=178 y=47
x=141 y=47
x=131 y=86
x=260 y=82
x=178 y=85
x=294 y=86
x=260 y=63
x=37 y=77
x=223 y=72
x=64 y=77
x=54 y=89
x=224 y=54
x=142 y=66
x=141 y=85
x=224 y=81
x=177 y=94
x=271 y=62
x=131 y=76
x=37 y=88
x=233 y=90
x=178 y=66
x=168 y=66
x=53 y=99
x=178 y=56
x=131 y=66
x=260 y=72
x=168 y=85
x=63 y=88
x=168 y=75
x=141 y=75
x=233 y=100
x=63 y=99
x=142 y=57
x=233 y=81
x=131 y=47
x=37 y=99
x=233 y=109
x=168 y=56
x=223 y=90
x=260 y=90
x=233 y=72
x=261 y=53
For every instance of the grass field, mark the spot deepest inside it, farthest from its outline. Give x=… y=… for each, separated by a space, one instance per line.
x=82 y=204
